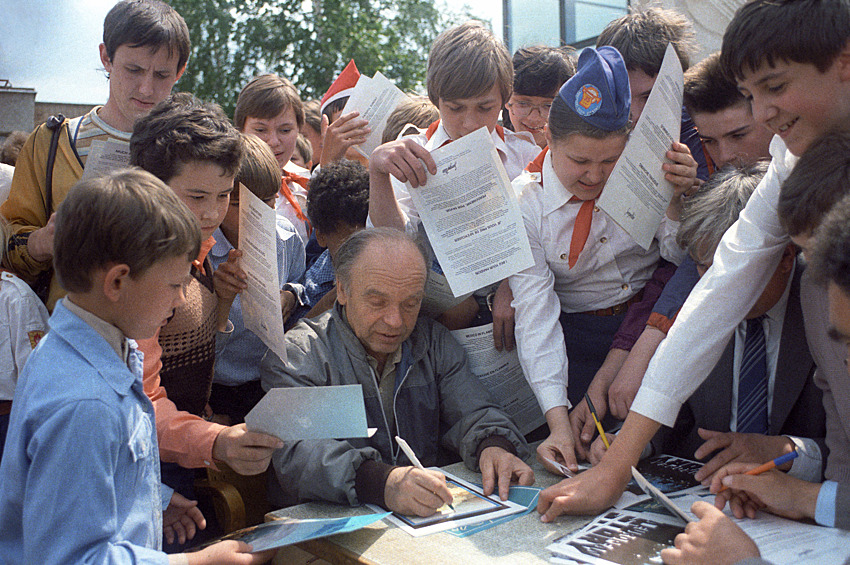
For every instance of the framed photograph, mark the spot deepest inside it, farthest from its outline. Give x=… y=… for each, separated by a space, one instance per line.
x=470 y=507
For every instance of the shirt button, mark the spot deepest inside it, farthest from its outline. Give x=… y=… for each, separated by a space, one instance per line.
x=625 y=287
x=596 y=208
x=603 y=240
x=563 y=256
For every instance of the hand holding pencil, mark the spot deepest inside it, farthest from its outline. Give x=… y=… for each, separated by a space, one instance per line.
x=749 y=488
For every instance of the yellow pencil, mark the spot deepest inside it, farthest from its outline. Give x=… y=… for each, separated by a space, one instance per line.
x=596 y=421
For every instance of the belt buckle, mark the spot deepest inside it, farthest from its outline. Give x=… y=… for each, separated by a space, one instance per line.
x=618 y=309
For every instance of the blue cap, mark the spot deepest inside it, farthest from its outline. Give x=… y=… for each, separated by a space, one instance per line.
x=599 y=91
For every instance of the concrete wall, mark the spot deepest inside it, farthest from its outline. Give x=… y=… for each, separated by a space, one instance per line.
x=17 y=109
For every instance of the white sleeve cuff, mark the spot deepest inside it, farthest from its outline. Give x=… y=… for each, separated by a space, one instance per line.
x=656 y=406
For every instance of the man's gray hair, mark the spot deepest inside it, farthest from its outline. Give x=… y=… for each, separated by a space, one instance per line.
x=357 y=243
x=715 y=207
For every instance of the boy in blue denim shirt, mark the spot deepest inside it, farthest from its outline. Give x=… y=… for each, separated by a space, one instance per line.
x=79 y=481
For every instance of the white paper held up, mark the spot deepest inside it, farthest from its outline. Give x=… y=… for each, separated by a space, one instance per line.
x=636 y=195
x=311 y=412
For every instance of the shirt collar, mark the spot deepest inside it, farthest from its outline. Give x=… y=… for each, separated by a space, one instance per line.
x=113 y=336
x=555 y=195
x=441 y=136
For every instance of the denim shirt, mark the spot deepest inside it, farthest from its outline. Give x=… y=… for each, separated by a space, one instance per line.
x=79 y=481
x=238 y=354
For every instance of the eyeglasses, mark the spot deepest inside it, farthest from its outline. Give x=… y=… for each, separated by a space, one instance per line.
x=523 y=109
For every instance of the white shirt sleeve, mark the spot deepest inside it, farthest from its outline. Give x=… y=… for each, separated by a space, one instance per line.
x=743 y=263
x=540 y=339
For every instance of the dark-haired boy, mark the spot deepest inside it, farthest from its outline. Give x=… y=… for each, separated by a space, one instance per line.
x=799 y=87
x=724 y=120
x=338 y=204
x=80 y=479
x=192 y=147
x=144 y=51
x=538 y=74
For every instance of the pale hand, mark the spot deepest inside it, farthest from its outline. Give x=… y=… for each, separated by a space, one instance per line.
x=247 y=453
x=714 y=540
x=738 y=448
x=181 y=519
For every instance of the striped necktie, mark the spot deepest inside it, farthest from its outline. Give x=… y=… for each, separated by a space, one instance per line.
x=752 y=381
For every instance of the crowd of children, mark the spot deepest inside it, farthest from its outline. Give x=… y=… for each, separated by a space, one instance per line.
x=717 y=330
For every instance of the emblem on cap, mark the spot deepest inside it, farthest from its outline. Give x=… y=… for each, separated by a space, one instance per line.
x=588 y=100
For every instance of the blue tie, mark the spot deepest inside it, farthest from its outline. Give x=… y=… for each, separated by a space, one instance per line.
x=752 y=381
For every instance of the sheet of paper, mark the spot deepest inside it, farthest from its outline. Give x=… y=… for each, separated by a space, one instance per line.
x=258 y=242
x=661 y=498
x=470 y=507
x=636 y=195
x=310 y=412
x=501 y=374
x=279 y=533
x=105 y=157
x=618 y=537
x=375 y=99
x=471 y=215
x=781 y=540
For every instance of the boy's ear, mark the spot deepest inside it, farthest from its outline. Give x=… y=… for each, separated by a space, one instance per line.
x=843 y=61
x=320 y=238
x=547 y=135
x=104 y=58
x=115 y=281
x=788 y=256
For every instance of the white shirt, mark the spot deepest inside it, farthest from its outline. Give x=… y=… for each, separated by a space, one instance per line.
x=610 y=269
x=24 y=323
x=743 y=263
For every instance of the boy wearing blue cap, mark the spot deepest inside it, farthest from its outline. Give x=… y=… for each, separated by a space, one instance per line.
x=587 y=270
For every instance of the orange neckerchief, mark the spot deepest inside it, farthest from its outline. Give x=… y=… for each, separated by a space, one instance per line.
x=206 y=245
x=287 y=193
x=581 y=229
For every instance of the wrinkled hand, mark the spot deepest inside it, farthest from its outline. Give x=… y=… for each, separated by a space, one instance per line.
x=499 y=468
x=503 y=317
x=560 y=447
x=590 y=492
x=404 y=159
x=229 y=279
x=181 y=519
x=347 y=131
x=40 y=242
x=416 y=492
x=739 y=448
x=714 y=540
x=230 y=552
x=247 y=453
x=773 y=491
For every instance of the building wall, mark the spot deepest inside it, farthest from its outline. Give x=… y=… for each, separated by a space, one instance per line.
x=17 y=110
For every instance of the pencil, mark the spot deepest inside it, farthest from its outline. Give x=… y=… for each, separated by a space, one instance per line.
x=596 y=421
x=765 y=467
x=412 y=456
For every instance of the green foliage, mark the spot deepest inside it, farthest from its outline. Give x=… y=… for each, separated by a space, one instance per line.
x=307 y=42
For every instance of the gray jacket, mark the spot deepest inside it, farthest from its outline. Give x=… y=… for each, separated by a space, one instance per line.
x=437 y=402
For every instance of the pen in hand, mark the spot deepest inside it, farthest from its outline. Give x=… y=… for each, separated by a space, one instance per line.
x=412 y=456
x=765 y=467
x=596 y=421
